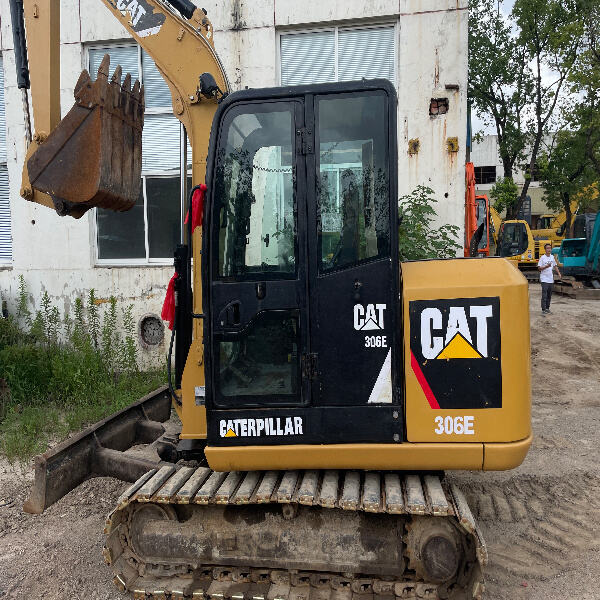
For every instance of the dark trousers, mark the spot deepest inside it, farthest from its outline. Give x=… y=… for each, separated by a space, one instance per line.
x=546 y=295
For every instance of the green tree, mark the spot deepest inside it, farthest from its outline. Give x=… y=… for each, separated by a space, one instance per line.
x=504 y=194
x=500 y=80
x=571 y=164
x=583 y=113
x=552 y=33
x=417 y=238
x=565 y=172
x=520 y=68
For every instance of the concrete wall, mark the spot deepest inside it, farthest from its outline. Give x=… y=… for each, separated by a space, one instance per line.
x=485 y=153
x=57 y=254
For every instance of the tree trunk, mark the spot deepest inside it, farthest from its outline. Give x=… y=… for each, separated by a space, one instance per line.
x=566 y=198
x=534 y=152
x=507 y=166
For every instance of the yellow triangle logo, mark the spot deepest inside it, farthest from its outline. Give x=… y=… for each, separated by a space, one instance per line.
x=230 y=433
x=458 y=348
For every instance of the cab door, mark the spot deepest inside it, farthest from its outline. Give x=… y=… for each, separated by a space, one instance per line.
x=258 y=316
x=353 y=260
x=303 y=289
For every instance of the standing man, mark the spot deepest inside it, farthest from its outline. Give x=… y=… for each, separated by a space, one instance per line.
x=546 y=266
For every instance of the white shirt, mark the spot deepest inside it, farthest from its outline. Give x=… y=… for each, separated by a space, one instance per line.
x=547 y=275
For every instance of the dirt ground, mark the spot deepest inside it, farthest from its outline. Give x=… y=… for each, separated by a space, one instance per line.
x=541 y=521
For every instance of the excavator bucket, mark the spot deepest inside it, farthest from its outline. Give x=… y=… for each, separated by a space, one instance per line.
x=94 y=156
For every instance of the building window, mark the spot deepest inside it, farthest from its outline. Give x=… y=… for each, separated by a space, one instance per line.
x=149 y=232
x=338 y=54
x=485 y=174
x=5 y=230
x=535 y=173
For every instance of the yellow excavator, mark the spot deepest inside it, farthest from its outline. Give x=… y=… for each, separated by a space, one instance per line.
x=323 y=387
x=554 y=227
x=517 y=245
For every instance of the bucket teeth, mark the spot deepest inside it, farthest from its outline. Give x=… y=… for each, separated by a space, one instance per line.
x=116 y=78
x=103 y=131
x=115 y=88
x=136 y=90
x=84 y=79
x=137 y=94
x=104 y=68
x=126 y=87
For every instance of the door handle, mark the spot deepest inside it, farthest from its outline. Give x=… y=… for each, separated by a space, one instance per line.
x=357 y=288
x=230 y=315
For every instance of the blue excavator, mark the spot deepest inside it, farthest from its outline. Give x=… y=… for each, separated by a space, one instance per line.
x=580 y=255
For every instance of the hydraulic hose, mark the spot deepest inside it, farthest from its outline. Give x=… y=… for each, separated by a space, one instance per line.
x=184 y=275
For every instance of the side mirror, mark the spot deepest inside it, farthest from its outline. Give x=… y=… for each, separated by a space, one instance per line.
x=208 y=86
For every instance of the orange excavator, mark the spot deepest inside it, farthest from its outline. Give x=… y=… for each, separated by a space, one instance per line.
x=481 y=220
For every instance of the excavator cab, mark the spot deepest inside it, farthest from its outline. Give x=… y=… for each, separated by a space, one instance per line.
x=300 y=266
x=513 y=239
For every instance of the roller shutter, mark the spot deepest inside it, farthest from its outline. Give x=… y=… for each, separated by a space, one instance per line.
x=338 y=55
x=308 y=58
x=5 y=231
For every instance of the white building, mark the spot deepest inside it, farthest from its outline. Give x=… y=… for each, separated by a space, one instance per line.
x=488 y=169
x=420 y=45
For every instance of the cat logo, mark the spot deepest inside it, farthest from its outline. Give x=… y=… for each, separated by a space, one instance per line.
x=368 y=318
x=269 y=426
x=144 y=21
x=455 y=351
x=458 y=341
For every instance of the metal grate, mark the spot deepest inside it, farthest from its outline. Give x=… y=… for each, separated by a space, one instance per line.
x=152 y=330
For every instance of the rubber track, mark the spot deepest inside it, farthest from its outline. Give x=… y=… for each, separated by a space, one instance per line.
x=372 y=492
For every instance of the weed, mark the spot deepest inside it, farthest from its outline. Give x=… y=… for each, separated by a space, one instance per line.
x=9 y=332
x=78 y=337
x=22 y=309
x=68 y=326
x=129 y=347
x=46 y=313
x=60 y=375
x=53 y=326
x=110 y=337
x=27 y=431
x=4 y=398
x=93 y=317
x=38 y=327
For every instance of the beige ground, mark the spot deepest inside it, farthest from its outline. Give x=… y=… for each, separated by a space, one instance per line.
x=541 y=521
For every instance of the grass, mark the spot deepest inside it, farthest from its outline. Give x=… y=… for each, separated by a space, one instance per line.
x=28 y=430
x=59 y=375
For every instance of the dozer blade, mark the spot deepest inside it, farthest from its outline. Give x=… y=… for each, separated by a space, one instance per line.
x=99 y=451
x=94 y=156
